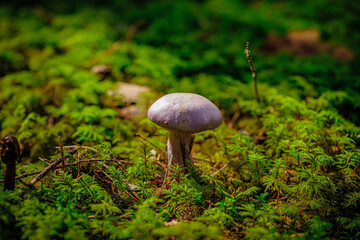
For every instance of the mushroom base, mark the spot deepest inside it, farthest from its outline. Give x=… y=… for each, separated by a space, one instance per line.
x=179 y=148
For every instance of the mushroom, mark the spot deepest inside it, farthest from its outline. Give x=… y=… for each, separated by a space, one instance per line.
x=10 y=152
x=183 y=114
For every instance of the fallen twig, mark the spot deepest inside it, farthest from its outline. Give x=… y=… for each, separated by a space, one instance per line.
x=131 y=193
x=23 y=183
x=163 y=184
x=133 y=28
x=62 y=153
x=76 y=146
x=219 y=170
x=45 y=161
x=124 y=215
x=204 y=160
x=52 y=166
x=138 y=135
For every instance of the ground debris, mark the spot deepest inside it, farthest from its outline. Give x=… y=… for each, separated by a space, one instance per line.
x=306 y=42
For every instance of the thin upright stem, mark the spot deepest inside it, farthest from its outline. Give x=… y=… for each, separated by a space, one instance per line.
x=253 y=71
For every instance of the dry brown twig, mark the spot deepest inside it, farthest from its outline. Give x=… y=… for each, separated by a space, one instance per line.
x=219 y=170
x=62 y=153
x=253 y=70
x=129 y=191
x=76 y=146
x=146 y=140
x=52 y=166
x=45 y=161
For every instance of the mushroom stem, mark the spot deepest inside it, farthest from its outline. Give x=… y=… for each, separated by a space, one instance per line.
x=9 y=180
x=10 y=152
x=179 y=148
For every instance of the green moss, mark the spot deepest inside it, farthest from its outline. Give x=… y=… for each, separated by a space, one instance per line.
x=287 y=167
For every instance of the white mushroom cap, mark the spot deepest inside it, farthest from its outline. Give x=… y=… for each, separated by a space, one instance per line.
x=185 y=112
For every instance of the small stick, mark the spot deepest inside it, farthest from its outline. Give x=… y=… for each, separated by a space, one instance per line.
x=253 y=70
x=204 y=160
x=52 y=166
x=45 y=161
x=233 y=119
x=211 y=203
x=133 y=28
x=132 y=194
x=163 y=184
x=219 y=170
x=217 y=163
x=124 y=215
x=62 y=152
x=130 y=186
x=24 y=183
x=75 y=146
x=120 y=164
x=138 y=135
x=187 y=215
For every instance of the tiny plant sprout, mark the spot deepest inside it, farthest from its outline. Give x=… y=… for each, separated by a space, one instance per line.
x=183 y=114
x=10 y=152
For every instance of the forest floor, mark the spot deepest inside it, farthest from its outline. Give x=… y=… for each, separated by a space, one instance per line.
x=76 y=82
